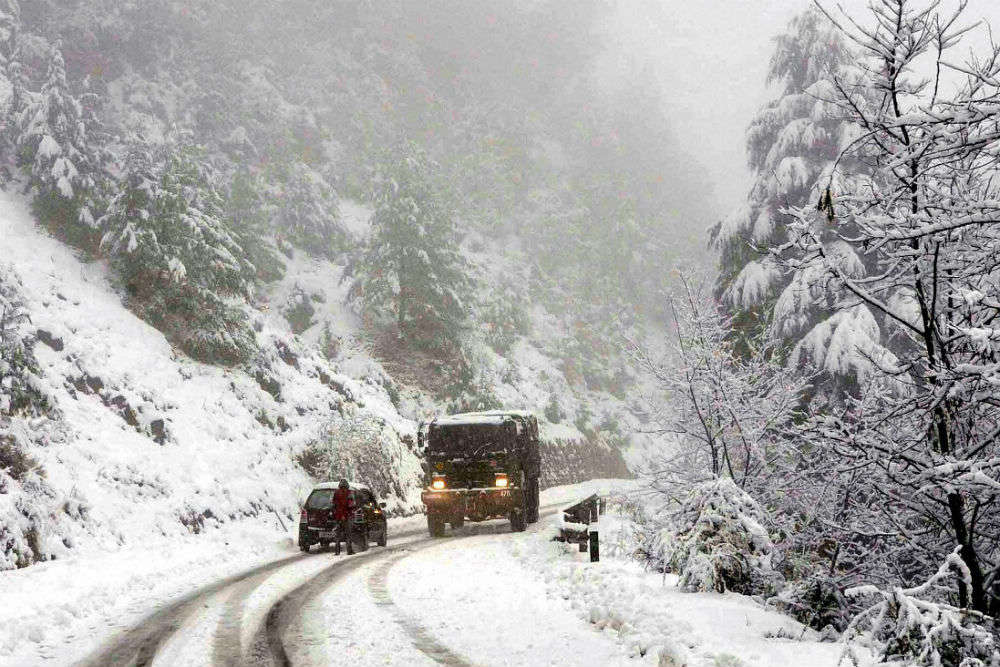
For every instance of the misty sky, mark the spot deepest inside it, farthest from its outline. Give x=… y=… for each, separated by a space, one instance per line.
x=713 y=56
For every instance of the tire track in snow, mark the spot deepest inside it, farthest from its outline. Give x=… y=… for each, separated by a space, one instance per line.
x=138 y=645
x=227 y=646
x=269 y=647
x=422 y=639
x=289 y=608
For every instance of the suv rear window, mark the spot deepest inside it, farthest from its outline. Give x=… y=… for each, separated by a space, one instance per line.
x=321 y=499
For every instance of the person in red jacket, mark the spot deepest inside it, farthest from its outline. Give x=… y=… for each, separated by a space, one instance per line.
x=343 y=513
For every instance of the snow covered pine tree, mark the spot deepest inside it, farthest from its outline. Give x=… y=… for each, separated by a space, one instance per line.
x=63 y=161
x=179 y=261
x=793 y=141
x=412 y=266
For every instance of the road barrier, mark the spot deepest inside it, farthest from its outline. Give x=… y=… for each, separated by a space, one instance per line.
x=578 y=525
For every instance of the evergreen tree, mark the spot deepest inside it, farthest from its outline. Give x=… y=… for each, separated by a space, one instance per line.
x=792 y=142
x=178 y=259
x=306 y=212
x=19 y=393
x=58 y=154
x=249 y=215
x=10 y=24
x=11 y=73
x=166 y=223
x=916 y=450
x=126 y=223
x=412 y=267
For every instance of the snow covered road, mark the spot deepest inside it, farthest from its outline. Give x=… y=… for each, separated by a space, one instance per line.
x=235 y=621
x=479 y=596
x=308 y=609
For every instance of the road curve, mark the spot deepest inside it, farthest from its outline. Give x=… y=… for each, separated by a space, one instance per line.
x=138 y=645
x=422 y=640
x=288 y=609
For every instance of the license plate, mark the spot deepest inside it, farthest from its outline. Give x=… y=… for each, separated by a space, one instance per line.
x=326 y=535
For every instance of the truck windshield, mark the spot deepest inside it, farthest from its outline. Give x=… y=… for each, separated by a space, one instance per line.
x=467 y=440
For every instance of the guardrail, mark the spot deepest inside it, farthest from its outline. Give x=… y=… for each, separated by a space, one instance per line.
x=578 y=525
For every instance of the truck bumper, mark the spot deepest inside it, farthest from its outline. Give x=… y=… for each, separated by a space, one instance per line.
x=474 y=504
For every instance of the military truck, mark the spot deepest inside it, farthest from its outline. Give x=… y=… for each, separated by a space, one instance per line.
x=479 y=466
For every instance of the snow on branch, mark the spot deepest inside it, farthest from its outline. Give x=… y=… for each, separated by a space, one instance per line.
x=904 y=625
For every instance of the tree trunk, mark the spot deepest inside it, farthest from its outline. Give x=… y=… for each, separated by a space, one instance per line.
x=968 y=554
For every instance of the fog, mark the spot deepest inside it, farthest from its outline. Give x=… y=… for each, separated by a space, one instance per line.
x=713 y=55
x=600 y=139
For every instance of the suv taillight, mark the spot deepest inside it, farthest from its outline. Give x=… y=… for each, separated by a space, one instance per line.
x=304 y=516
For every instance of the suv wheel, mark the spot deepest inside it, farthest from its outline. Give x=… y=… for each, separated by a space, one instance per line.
x=435 y=526
x=457 y=522
x=361 y=540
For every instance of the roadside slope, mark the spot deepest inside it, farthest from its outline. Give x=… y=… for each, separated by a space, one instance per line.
x=148 y=443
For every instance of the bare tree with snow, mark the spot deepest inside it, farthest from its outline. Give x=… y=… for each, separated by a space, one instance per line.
x=907 y=248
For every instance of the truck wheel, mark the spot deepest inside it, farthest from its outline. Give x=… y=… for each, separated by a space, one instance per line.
x=304 y=547
x=457 y=522
x=383 y=537
x=533 y=500
x=435 y=526
x=517 y=522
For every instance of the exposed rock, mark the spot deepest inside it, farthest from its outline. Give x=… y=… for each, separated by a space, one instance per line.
x=95 y=383
x=53 y=341
x=159 y=430
x=125 y=410
x=287 y=355
x=268 y=384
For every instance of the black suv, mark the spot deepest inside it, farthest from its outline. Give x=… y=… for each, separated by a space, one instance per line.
x=317 y=525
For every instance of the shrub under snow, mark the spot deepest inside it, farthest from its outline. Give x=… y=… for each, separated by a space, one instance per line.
x=904 y=627
x=364 y=448
x=816 y=601
x=719 y=542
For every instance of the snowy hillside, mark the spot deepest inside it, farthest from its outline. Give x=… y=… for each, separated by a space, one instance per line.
x=152 y=443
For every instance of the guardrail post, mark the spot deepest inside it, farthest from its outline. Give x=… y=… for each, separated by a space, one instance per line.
x=595 y=519
x=587 y=512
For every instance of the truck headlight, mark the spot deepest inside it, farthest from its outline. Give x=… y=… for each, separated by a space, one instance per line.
x=438 y=482
x=501 y=480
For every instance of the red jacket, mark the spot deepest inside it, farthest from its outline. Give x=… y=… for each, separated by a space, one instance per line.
x=343 y=504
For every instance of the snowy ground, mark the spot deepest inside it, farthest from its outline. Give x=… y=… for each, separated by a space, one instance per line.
x=480 y=596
